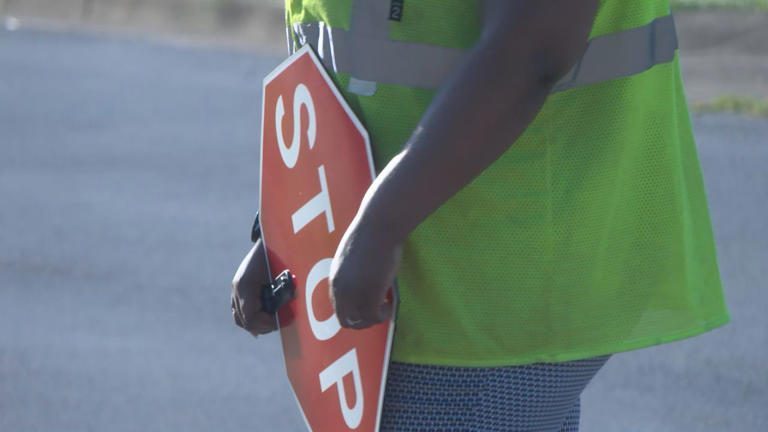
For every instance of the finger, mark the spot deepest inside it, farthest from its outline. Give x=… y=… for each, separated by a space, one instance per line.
x=377 y=315
x=248 y=315
x=388 y=303
x=265 y=323
x=358 y=318
x=256 y=320
x=355 y=323
x=348 y=314
x=346 y=319
x=261 y=325
x=354 y=316
x=384 y=312
x=248 y=301
x=236 y=318
x=371 y=314
x=238 y=311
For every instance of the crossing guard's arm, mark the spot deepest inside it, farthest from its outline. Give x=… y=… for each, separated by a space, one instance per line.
x=525 y=47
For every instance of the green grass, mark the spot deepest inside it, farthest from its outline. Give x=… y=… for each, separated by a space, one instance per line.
x=721 y=4
x=734 y=104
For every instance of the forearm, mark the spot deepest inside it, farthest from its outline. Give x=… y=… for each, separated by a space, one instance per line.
x=480 y=112
x=525 y=47
x=453 y=144
x=472 y=122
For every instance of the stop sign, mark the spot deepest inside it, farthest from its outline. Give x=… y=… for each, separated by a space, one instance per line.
x=315 y=168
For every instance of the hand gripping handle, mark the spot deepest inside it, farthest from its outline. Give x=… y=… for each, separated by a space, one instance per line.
x=275 y=293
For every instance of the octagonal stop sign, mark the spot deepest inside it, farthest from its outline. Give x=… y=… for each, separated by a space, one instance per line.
x=315 y=168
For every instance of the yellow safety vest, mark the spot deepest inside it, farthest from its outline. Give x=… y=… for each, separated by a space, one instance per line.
x=590 y=235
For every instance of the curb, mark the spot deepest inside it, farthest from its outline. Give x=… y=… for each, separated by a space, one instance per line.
x=251 y=24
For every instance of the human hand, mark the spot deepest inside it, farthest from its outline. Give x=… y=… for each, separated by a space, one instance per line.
x=246 y=293
x=363 y=270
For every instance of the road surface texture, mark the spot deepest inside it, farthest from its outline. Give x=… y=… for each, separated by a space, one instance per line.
x=724 y=50
x=128 y=181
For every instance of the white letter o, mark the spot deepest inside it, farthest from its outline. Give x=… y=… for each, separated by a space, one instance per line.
x=323 y=330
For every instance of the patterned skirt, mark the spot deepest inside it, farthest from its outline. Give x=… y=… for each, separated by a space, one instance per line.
x=535 y=397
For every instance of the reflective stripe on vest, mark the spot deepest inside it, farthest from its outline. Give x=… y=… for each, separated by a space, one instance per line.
x=369 y=56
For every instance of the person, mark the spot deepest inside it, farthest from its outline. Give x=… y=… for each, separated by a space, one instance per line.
x=538 y=198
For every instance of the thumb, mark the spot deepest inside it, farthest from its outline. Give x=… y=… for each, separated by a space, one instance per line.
x=384 y=310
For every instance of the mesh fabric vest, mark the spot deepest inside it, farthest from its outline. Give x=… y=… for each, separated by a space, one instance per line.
x=590 y=235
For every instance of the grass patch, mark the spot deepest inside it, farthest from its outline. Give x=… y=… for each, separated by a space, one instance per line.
x=721 y=4
x=734 y=104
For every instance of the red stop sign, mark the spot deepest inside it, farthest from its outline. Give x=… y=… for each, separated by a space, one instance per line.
x=315 y=168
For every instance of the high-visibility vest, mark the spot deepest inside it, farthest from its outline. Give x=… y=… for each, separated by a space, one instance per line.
x=590 y=235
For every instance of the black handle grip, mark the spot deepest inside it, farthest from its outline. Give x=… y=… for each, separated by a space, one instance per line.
x=278 y=293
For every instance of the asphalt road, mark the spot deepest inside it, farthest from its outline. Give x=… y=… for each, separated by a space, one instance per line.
x=127 y=185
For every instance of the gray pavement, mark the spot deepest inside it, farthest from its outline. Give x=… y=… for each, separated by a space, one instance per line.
x=717 y=381
x=127 y=184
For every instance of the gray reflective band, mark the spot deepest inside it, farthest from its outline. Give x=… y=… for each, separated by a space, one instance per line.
x=623 y=54
x=382 y=61
x=366 y=53
x=363 y=88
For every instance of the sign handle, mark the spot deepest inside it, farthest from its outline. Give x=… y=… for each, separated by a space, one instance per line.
x=275 y=292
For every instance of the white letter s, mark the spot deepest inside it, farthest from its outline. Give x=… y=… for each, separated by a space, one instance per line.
x=301 y=96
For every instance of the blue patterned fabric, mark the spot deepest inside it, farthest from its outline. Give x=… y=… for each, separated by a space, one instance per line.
x=536 y=397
